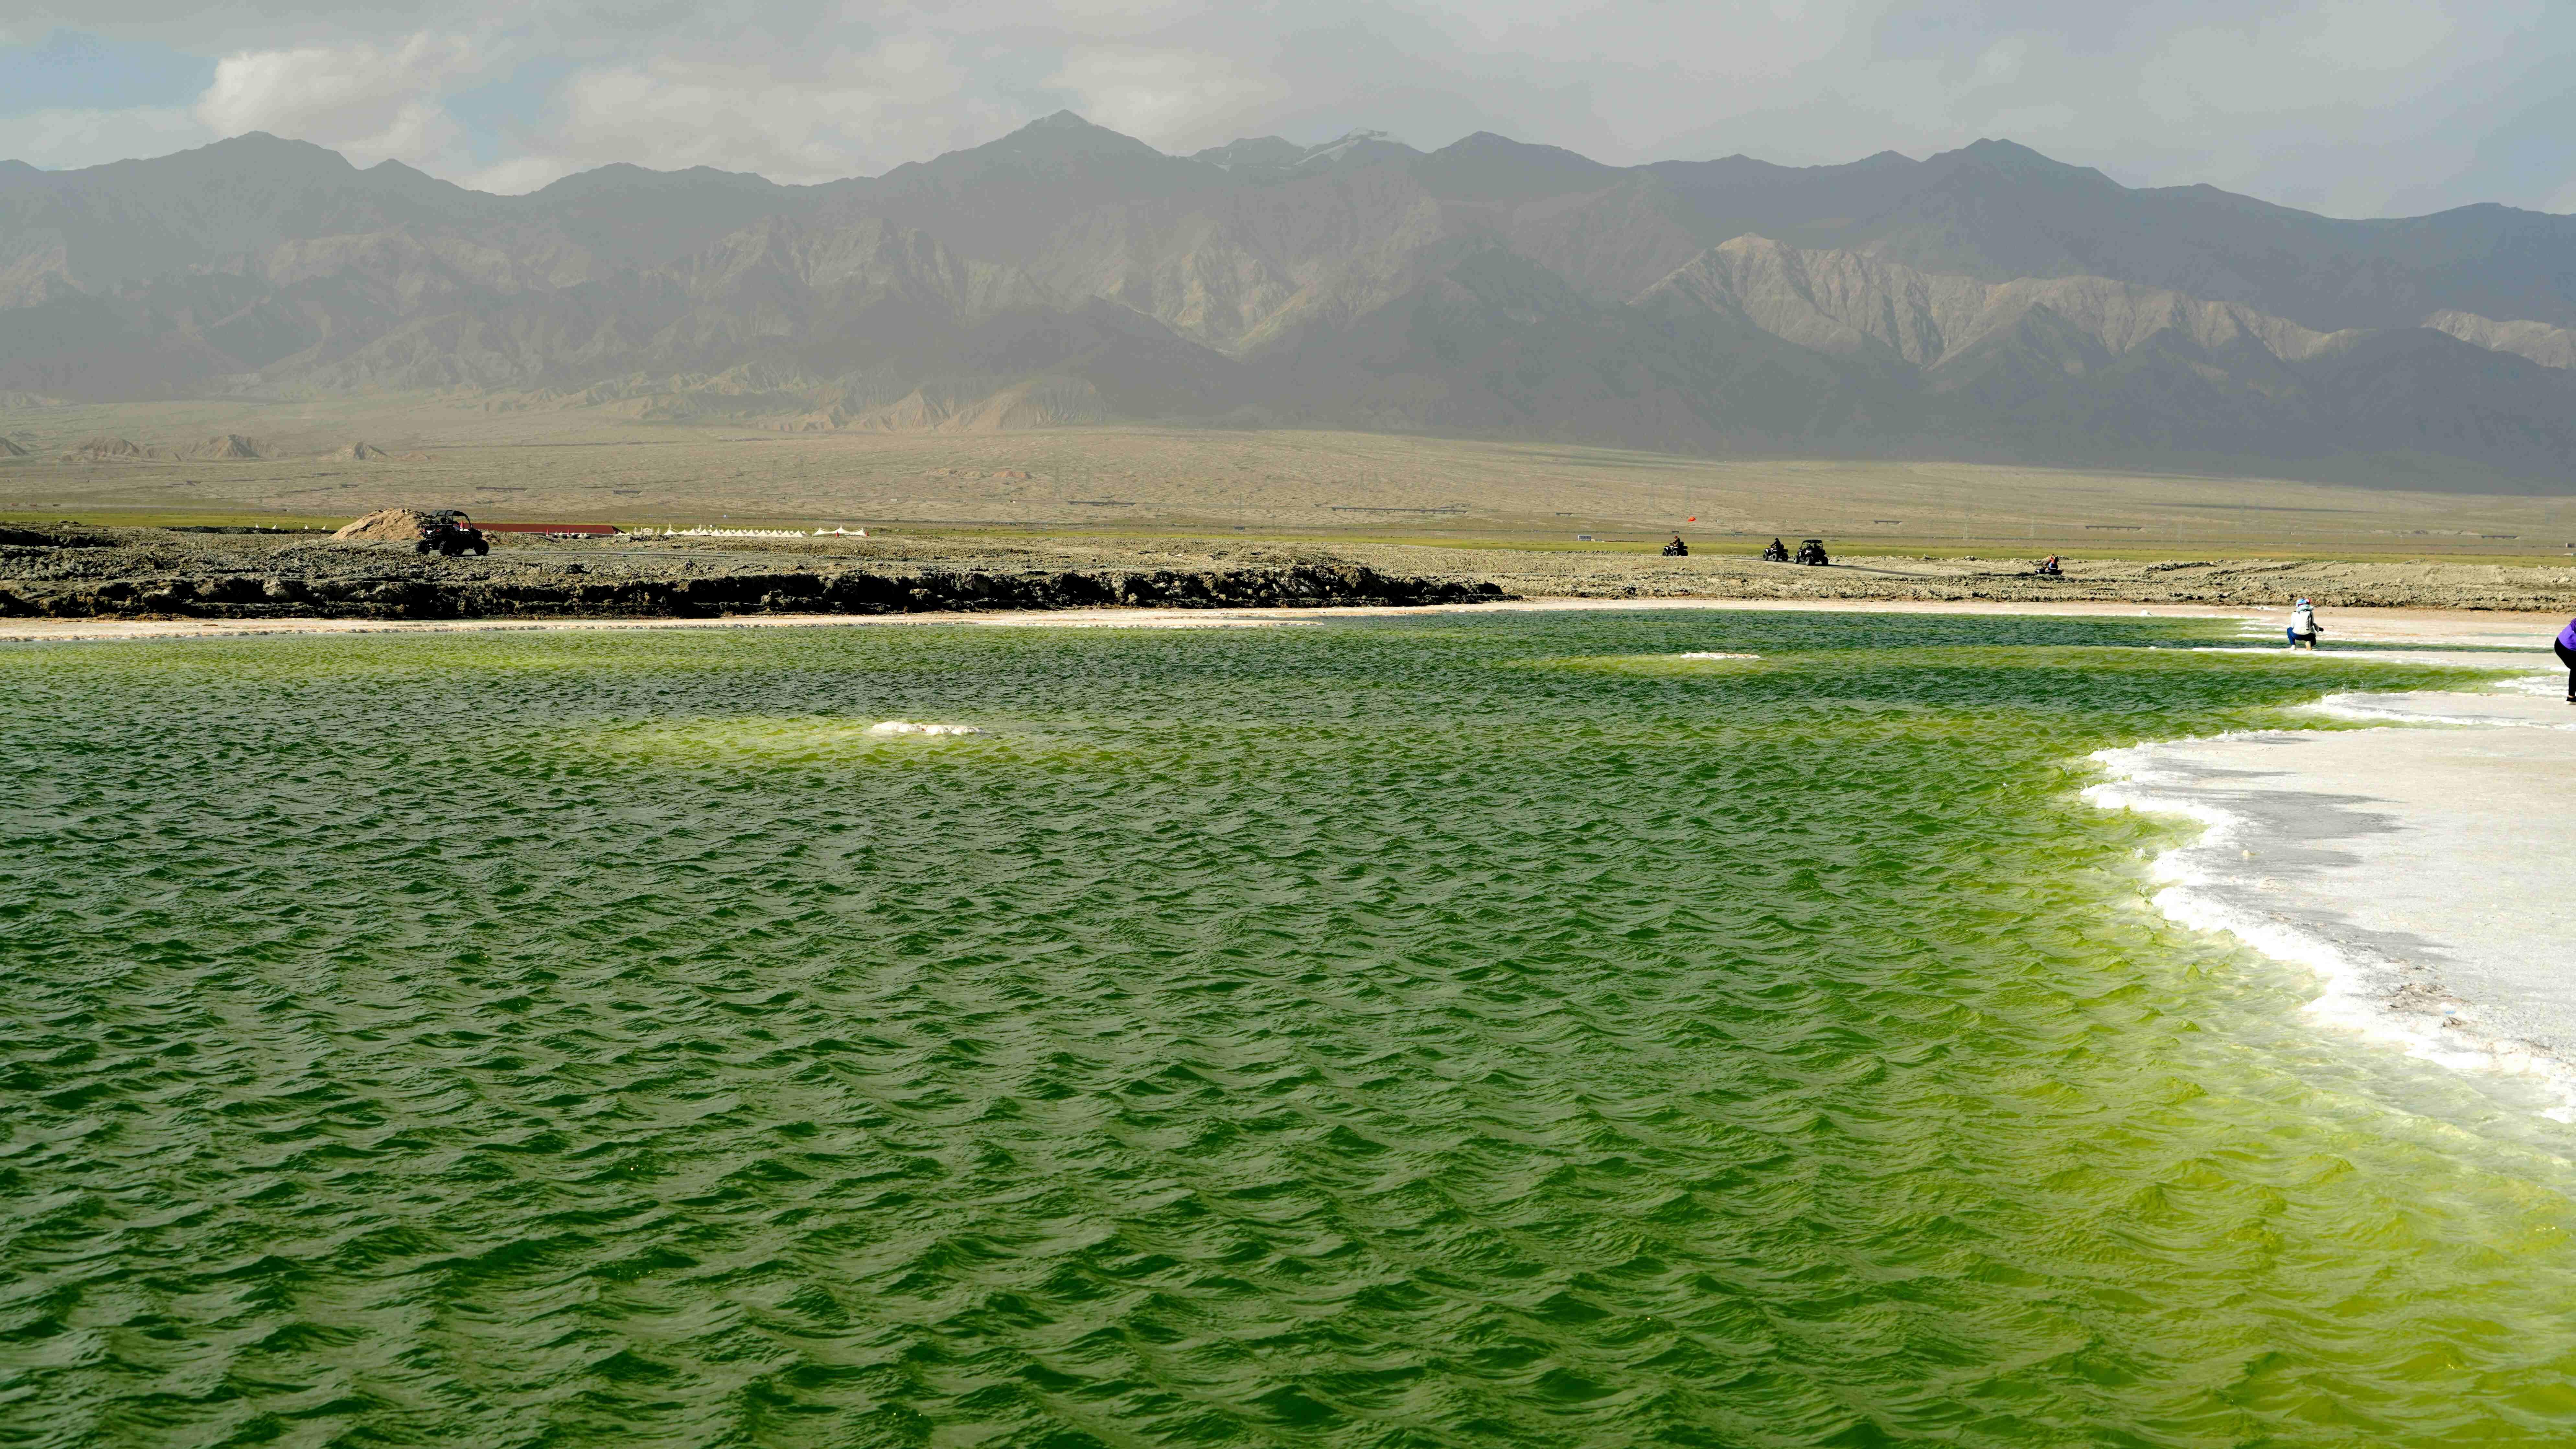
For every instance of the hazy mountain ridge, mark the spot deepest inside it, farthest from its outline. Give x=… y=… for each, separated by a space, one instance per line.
x=1987 y=301
x=1848 y=304
x=2549 y=346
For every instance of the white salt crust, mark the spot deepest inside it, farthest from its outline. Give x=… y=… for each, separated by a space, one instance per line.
x=2305 y=869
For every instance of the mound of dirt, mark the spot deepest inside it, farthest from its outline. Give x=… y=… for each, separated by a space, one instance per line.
x=360 y=453
x=385 y=525
x=225 y=445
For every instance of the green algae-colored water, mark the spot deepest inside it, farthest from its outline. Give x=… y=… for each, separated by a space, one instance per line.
x=1451 y=1031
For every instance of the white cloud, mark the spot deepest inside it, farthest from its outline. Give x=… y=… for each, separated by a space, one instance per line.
x=1737 y=40
x=2001 y=64
x=517 y=175
x=855 y=112
x=1176 y=99
x=2375 y=35
x=2028 y=121
x=2335 y=53
x=2341 y=102
x=58 y=140
x=1101 y=19
x=366 y=102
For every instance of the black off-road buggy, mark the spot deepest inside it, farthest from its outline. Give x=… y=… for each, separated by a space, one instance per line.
x=448 y=533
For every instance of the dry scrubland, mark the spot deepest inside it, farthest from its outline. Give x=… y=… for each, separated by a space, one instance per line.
x=1507 y=513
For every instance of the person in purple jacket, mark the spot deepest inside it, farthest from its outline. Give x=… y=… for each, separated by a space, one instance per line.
x=2567 y=656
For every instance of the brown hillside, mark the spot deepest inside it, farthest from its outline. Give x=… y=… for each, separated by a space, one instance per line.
x=99 y=449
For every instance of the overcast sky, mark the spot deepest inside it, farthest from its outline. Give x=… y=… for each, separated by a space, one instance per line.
x=2353 y=107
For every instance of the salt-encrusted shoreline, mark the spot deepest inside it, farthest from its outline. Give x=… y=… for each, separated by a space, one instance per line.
x=2427 y=876
x=2429 y=627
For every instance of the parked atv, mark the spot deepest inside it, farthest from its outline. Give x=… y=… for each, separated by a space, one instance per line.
x=448 y=533
x=1812 y=551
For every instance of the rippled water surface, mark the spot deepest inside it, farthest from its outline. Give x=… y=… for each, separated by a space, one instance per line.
x=1461 y=1031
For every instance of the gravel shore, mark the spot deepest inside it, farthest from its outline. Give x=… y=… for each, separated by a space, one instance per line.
x=2241 y=582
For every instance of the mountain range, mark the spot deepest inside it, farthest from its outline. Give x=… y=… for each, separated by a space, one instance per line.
x=1986 y=303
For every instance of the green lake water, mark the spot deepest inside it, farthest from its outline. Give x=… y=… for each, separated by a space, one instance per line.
x=1436 y=1031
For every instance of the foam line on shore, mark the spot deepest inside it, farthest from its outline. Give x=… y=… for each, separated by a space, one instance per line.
x=2398 y=709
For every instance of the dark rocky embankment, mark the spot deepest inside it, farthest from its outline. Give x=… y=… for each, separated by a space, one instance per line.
x=80 y=574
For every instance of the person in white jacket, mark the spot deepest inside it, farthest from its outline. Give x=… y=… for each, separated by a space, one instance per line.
x=2303 y=626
